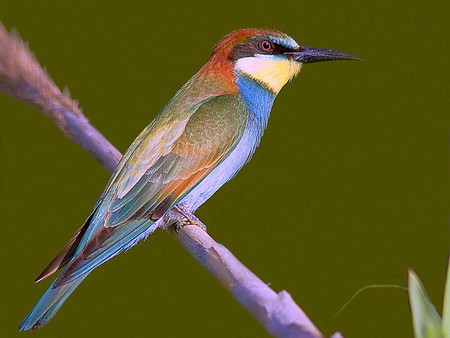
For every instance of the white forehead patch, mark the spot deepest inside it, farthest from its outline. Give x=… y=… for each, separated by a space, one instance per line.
x=286 y=41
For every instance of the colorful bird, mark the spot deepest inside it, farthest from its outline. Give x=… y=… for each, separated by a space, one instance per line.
x=206 y=133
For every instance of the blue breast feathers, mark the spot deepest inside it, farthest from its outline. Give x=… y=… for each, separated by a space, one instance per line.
x=258 y=102
x=257 y=98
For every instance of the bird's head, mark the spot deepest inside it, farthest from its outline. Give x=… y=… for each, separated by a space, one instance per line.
x=269 y=57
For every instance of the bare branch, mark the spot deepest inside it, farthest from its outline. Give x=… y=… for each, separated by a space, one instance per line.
x=279 y=314
x=22 y=77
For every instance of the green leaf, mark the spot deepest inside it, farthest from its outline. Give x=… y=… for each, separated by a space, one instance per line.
x=446 y=309
x=426 y=321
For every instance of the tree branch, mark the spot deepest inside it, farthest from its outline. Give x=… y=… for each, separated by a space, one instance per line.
x=22 y=77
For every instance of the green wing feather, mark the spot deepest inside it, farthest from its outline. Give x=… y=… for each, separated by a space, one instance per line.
x=169 y=158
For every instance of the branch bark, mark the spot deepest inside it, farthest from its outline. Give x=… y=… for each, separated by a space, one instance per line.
x=22 y=77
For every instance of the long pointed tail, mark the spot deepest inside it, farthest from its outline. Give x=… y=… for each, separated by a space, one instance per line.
x=49 y=304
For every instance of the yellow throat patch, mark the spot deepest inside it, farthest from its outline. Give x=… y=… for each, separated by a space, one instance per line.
x=274 y=72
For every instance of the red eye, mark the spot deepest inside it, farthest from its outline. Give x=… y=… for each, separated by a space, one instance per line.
x=266 y=46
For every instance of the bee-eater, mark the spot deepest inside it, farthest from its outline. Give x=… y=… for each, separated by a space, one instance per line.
x=198 y=142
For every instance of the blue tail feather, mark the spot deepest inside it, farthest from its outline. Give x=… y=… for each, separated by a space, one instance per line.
x=49 y=304
x=62 y=287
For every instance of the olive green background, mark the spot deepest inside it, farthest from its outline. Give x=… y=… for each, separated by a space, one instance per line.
x=349 y=187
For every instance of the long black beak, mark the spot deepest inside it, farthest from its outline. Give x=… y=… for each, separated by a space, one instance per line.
x=310 y=55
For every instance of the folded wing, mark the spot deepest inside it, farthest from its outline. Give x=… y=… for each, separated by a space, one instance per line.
x=157 y=171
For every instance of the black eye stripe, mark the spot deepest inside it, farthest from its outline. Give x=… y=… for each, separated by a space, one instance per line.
x=280 y=49
x=253 y=46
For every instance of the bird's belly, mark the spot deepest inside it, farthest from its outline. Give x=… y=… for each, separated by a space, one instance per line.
x=225 y=170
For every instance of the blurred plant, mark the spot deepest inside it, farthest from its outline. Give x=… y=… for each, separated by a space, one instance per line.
x=425 y=318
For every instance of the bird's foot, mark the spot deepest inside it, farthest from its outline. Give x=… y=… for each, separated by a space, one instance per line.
x=187 y=218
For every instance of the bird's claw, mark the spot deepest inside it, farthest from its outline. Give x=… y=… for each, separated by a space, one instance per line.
x=187 y=220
